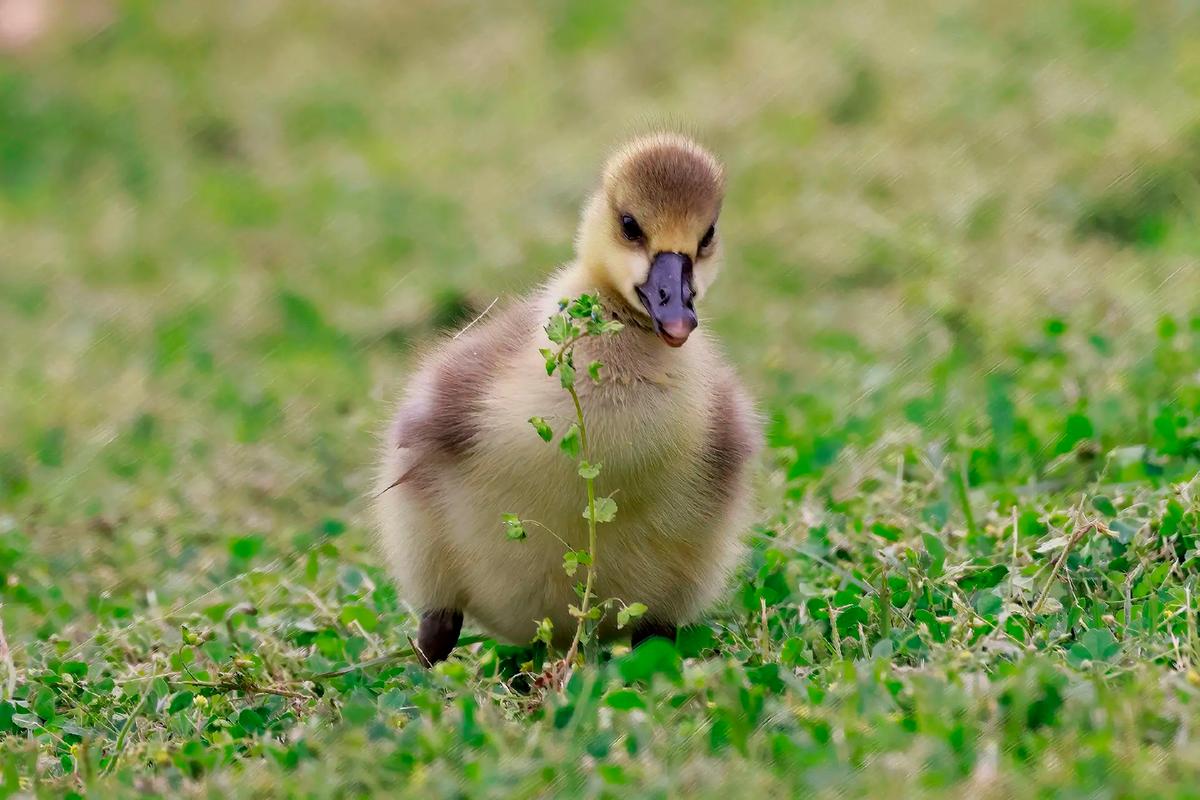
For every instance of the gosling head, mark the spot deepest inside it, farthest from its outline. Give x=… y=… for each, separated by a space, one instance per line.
x=649 y=232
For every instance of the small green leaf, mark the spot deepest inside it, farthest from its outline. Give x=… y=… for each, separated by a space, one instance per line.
x=988 y=603
x=606 y=510
x=43 y=704
x=545 y=631
x=359 y=708
x=630 y=612
x=598 y=327
x=1094 y=645
x=583 y=306
x=571 y=442
x=937 y=554
x=625 y=700
x=50 y=447
x=889 y=532
x=1125 y=531
x=360 y=614
x=29 y=721
x=251 y=721
x=513 y=527
x=578 y=613
x=542 y=427
x=594 y=371
x=76 y=668
x=588 y=471
x=572 y=559
x=652 y=657
x=1050 y=545
x=551 y=362
x=246 y=547
x=1100 y=643
x=694 y=640
x=566 y=374
x=1104 y=506
x=179 y=702
x=559 y=329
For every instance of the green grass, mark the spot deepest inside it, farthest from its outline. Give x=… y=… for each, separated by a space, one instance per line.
x=961 y=280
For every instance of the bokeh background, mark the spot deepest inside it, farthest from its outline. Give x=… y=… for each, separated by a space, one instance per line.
x=225 y=228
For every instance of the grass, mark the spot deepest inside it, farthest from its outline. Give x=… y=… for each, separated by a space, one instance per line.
x=962 y=281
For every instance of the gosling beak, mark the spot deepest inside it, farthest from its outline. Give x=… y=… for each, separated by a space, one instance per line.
x=667 y=295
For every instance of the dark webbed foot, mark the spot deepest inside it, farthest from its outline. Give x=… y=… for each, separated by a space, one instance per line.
x=648 y=629
x=438 y=634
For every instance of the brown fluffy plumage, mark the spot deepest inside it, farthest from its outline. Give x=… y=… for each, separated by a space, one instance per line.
x=673 y=428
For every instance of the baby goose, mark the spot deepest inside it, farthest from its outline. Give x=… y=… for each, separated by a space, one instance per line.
x=670 y=423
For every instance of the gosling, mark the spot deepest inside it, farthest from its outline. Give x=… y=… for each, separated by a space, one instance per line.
x=670 y=422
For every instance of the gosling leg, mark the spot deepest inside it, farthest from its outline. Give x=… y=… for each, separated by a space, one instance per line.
x=438 y=634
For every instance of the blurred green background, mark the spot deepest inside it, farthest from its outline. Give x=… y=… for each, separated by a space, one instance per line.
x=225 y=227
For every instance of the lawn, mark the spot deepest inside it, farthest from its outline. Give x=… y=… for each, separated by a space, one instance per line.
x=962 y=282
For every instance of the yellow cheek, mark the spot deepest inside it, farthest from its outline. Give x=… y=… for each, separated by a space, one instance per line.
x=703 y=276
x=634 y=270
x=637 y=267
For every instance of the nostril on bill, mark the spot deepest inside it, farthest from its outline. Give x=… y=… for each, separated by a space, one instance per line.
x=663 y=297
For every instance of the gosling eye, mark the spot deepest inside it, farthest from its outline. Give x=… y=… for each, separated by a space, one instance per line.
x=708 y=236
x=630 y=229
